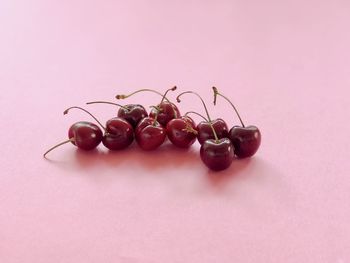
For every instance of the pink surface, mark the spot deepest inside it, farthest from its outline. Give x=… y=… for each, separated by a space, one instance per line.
x=286 y=64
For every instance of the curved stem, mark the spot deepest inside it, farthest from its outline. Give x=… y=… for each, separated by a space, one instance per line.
x=57 y=145
x=166 y=92
x=123 y=96
x=205 y=108
x=216 y=92
x=155 y=108
x=79 y=108
x=200 y=115
x=189 y=128
x=107 y=102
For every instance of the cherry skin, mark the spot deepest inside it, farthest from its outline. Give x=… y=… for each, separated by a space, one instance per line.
x=133 y=113
x=119 y=134
x=182 y=131
x=217 y=155
x=167 y=112
x=143 y=123
x=246 y=140
x=85 y=135
x=149 y=134
x=205 y=132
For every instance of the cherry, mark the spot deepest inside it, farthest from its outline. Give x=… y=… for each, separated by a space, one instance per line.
x=85 y=135
x=119 y=134
x=132 y=113
x=205 y=131
x=217 y=154
x=164 y=111
x=246 y=139
x=182 y=131
x=149 y=134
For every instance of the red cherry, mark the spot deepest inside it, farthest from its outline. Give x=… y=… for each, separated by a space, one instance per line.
x=119 y=134
x=205 y=131
x=217 y=155
x=149 y=134
x=85 y=135
x=143 y=123
x=167 y=112
x=245 y=139
x=182 y=131
x=133 y=113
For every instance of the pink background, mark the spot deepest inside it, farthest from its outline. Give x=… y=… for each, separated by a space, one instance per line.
x=285 y=64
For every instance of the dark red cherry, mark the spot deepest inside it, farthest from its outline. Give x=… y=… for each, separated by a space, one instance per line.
x=167 y=112
x=143 y=123
x=182 y=131
x=149 y=134
x=85 y=135
x=119 y=134
x=217 y=155
x=246 y=140
x=205 y=132
x=133 y=113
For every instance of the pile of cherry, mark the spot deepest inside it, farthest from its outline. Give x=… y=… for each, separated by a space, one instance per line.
x=219 y=145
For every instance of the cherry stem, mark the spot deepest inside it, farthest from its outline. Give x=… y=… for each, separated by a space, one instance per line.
x=123 y=96
x=164 y=97
x=57 y=145
x=107 y=102
x=79 y=108
x=155 y=108
x=205 y=108
x=189 y=128
x=200 y=115
x=216 y=92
